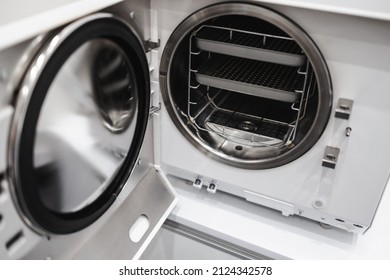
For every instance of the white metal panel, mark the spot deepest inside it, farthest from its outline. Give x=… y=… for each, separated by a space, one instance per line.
x=16 y=239
x=269 y=233
x=378 y=9
x=21 y=20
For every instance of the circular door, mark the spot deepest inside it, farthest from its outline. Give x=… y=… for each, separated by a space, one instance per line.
x=81 y=112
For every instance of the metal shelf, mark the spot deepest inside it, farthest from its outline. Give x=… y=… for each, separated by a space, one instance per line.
x=236 y=62
x=261 y=79
x=250 y=130
x=246 y=44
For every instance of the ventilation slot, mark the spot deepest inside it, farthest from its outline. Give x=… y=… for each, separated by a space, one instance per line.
x=14 y=241
x=1 y=218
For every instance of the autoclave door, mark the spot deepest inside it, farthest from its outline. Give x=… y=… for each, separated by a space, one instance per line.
x=80 y=115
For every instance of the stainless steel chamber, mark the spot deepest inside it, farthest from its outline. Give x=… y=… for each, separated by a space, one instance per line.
x=268 y=102
x=246 y=85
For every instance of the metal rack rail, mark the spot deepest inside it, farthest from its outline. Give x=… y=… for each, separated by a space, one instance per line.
x=251 y=45
x=222 y=75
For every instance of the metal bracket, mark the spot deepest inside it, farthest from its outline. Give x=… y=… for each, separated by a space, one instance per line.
x=150 y=45
x=212 y=187
x=344 y=108
x=197 y=184
x=154 y=109
x=331 y=156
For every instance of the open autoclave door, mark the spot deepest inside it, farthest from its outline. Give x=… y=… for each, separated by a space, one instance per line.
x=80 y=166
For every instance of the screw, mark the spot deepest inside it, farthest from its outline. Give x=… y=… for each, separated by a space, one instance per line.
x=325 y=226
x=348 y=131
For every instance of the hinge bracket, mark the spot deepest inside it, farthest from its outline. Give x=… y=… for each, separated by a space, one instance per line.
x=150 y=45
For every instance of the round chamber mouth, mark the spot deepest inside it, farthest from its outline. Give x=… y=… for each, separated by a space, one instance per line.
x=245 y=85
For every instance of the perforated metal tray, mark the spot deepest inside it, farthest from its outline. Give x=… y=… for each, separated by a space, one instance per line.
x=247 y=130
x=262 y=47
x=261 y=79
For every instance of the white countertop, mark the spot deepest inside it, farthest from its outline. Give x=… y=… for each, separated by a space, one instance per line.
x=269 y=233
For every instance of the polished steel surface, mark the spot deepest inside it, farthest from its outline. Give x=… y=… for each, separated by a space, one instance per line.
x=85 y=126
x=153 y=198
x=319 y=115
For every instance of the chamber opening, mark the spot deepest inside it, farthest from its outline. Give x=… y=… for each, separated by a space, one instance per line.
x=242 y=81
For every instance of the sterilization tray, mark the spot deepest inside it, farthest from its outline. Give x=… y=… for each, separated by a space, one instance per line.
x=261 y=79
x=248 y=130
x=266 y=48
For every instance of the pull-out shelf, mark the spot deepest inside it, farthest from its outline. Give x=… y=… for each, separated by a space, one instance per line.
x=257 y=78
x=264 y=47
x=248 y=130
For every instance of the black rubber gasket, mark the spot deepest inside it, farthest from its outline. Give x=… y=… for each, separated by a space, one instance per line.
x=27 y=193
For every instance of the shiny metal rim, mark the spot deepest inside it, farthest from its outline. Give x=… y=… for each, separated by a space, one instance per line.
x=306 y=43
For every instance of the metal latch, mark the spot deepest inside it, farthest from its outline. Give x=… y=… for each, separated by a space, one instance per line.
x=212 y=187
x=151 y=45
x=344 y=108
x=331 y=156
x=197 y=183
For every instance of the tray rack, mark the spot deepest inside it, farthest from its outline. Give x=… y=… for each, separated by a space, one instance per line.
x=270 y=67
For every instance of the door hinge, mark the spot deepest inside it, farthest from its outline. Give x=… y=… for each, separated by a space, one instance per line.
x=344 y=108
x=151 y=45
x=331 y=156
x=154 y=109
